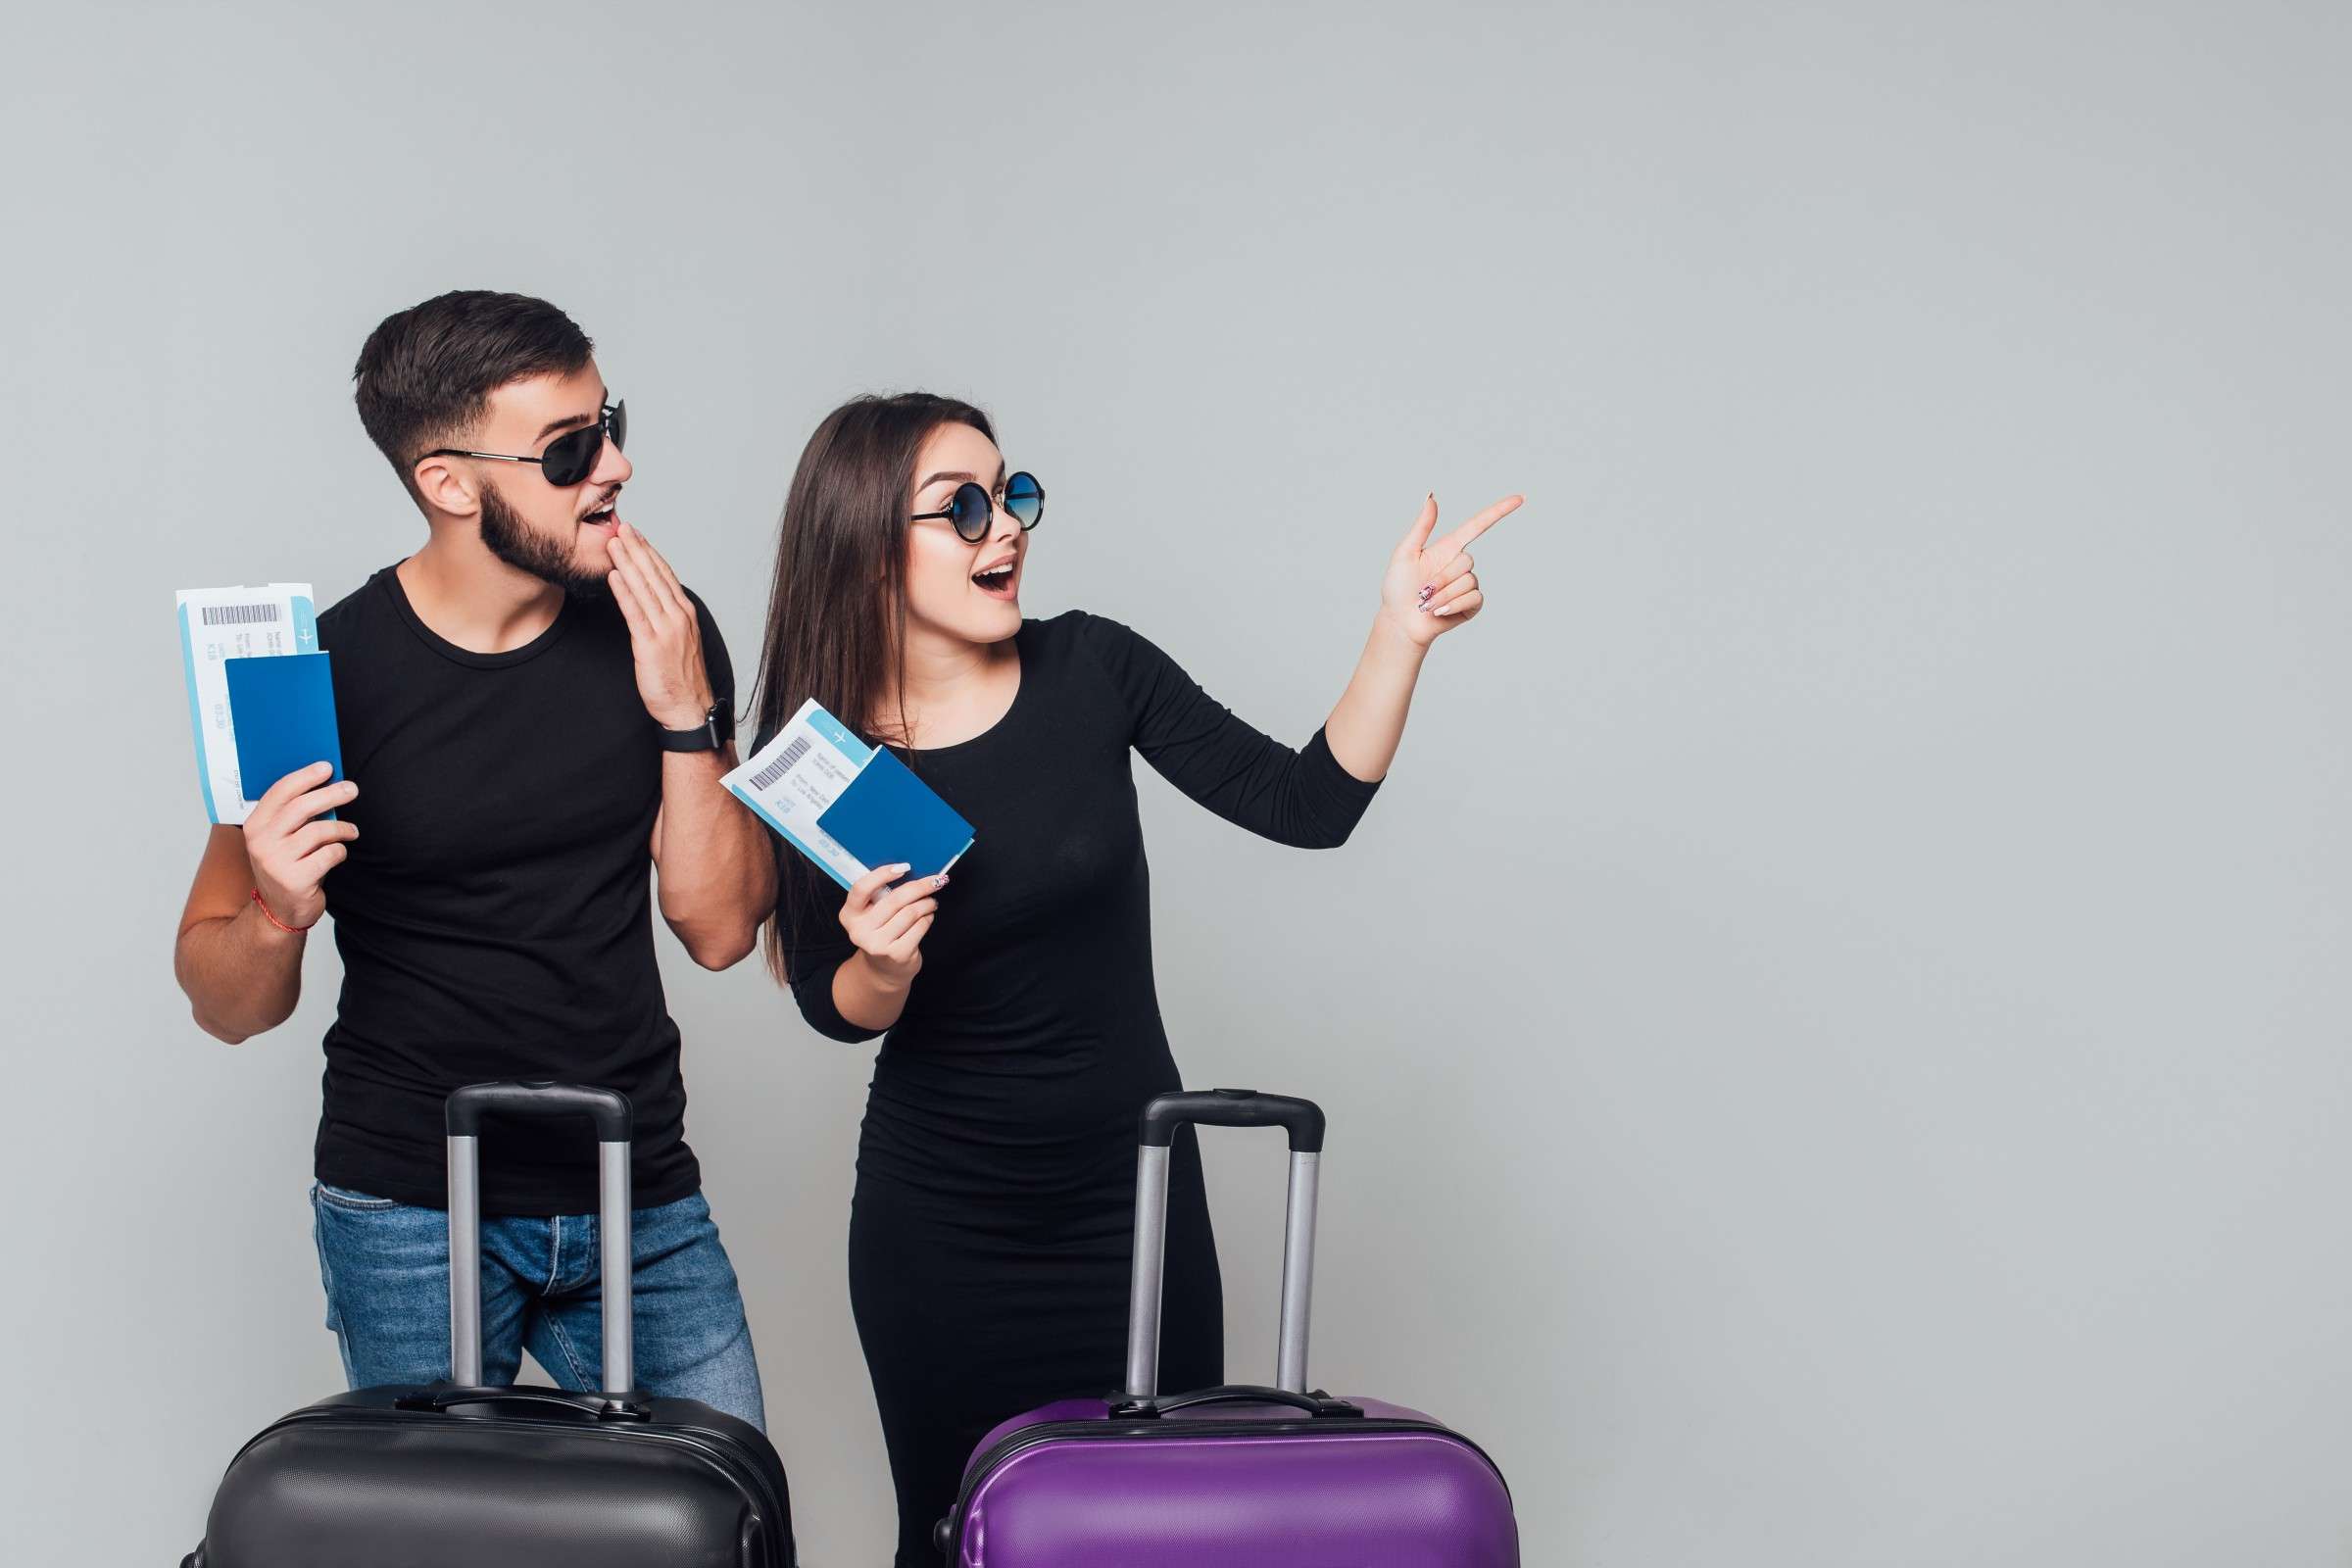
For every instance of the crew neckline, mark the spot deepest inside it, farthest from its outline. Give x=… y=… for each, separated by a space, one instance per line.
x=398 y=593
x=1003 y=720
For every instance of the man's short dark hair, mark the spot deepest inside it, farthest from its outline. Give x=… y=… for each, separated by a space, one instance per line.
x=426 y=374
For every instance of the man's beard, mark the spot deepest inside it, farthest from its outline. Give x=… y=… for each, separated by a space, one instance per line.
x=512 y=541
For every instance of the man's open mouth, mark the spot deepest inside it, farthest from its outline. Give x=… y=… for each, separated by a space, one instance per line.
x=602 y=516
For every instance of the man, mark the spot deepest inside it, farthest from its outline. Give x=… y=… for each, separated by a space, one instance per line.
x=528 y=704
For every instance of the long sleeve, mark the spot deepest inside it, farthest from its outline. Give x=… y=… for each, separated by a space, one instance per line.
x=1303 y=798
x=811 y=957
x=808 y=921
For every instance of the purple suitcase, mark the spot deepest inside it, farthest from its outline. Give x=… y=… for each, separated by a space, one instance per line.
x=1236 y=1476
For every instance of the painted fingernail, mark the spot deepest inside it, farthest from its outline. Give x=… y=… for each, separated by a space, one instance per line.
x=1426 y=588
x=902 y=867
x=940 y=881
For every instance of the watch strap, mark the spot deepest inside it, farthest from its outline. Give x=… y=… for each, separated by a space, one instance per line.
x=715 y=731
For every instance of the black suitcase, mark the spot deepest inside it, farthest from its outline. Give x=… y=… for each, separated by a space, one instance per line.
x=456 y=1475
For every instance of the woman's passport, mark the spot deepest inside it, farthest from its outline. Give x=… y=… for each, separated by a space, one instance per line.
x=888 y=815
x=847 y=806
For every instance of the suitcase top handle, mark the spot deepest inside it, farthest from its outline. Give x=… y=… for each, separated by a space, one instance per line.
x=608 y=1108
x=1303 y=1119
x=448 y=1397
x=1322 y=1406
x=1224 y=1107
x=609 y=1111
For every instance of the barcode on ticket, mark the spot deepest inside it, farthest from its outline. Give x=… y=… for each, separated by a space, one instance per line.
x=782 y=765
x=239 y=615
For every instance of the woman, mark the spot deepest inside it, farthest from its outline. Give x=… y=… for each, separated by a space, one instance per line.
x=989 y=1237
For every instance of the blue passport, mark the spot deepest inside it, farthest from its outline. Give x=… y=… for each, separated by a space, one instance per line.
x=887 y=815
x=282 y=708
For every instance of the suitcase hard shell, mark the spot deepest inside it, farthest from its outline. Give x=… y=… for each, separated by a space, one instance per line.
x=1239 y=1476
x=456 y=1475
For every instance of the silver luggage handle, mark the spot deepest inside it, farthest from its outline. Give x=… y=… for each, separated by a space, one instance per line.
x=615 y=1121
x=1223 y=1107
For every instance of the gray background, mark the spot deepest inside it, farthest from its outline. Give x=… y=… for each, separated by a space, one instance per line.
x=1835 y=1031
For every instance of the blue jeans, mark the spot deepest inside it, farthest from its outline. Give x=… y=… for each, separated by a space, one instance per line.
x=385 y=1266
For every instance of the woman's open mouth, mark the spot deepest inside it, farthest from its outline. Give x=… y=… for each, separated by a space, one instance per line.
x=997 y=581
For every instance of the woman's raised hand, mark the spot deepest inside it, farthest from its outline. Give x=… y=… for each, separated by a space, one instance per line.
x=887 y=923
x=1431 y=587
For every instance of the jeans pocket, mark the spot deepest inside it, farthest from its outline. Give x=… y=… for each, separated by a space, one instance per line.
x=345 y=1197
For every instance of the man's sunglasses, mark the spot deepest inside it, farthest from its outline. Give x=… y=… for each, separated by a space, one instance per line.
x=972 y=510
x=570 y=457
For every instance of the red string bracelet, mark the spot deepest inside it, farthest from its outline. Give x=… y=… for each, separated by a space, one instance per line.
x=290 y=930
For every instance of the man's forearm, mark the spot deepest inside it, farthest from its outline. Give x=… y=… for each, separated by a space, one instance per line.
x=718 y=874
x=242 y=974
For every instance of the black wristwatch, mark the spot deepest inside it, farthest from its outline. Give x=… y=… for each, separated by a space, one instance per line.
x=715 y=730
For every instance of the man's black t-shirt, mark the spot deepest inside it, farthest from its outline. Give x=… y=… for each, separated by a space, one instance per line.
x=494 y=918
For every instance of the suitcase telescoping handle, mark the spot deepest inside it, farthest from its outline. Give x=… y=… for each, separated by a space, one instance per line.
x=609 y=1111
x=1223 y=1107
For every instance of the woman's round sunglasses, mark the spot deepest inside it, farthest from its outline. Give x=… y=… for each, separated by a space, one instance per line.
x=570 y=457
x=971 y=509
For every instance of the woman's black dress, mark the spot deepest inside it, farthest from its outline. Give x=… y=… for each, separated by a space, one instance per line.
x=989 y=1235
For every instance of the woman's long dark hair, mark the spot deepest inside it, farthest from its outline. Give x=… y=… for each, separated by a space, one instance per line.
x=837 y=610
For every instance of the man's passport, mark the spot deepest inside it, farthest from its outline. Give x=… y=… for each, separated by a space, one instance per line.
x=887 y=815
x=283 y=710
